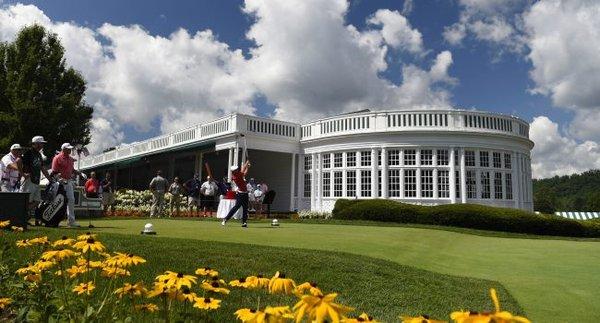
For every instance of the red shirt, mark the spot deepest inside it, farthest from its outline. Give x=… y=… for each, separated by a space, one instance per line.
x=238 y=178
x=92 y=186
x=64 y=165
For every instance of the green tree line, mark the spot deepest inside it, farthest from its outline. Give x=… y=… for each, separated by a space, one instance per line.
x=577 y=192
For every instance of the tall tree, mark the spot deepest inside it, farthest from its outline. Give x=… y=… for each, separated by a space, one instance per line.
x=39 y=94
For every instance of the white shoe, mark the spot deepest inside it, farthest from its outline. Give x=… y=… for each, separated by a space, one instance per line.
x=74 y=225
x=223 y=222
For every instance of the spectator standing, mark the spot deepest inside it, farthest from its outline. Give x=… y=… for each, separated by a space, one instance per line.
x=63 y=164
x=175 y=189
x=11 y=169
x=251 y=187
x=33 y=167
x=108 y=196
x=92 y=186
x=208 y=192
x=158 y=187
x=192 y=187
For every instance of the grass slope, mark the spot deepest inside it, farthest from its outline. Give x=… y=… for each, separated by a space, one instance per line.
x=382 y=288
x=553 y=280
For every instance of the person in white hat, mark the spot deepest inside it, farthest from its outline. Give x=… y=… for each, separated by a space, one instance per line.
x=64 y=165
x=11 y=169
x=33 y=167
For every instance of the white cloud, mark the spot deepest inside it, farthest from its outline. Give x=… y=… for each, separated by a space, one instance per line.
x=555 y=154
x=306 y=60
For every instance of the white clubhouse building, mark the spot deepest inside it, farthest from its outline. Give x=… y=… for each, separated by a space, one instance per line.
x=426 y=157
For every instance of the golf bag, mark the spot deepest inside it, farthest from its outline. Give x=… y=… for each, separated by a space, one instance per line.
x=53 y=207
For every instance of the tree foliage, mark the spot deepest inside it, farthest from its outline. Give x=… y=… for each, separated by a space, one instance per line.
x=577 y=192
x=39 y=94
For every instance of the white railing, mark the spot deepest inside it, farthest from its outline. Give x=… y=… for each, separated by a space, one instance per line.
x=415 y=120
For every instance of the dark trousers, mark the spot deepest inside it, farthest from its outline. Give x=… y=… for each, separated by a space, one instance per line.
x=241 y=200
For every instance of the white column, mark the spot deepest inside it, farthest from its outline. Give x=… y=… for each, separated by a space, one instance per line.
x=463 y=177
x=229 y=163
x=300 y=183
x=418 y=162
x=236 y=154
x=293 y=182
x=319 y=182
x=313 y=182
x=452 y=178
x=374 y=175
x=344 y=176
x=384 y=173
x=515 y=188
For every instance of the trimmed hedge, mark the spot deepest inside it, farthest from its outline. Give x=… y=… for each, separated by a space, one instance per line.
x=471 y=216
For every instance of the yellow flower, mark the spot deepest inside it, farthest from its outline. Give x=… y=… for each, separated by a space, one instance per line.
x=4 y=224
x=317 y=308
x=34 y=277
x=42 y=265
x=241 y=283
x=92 y=264
x=23 y=243
x=311 y=287
x=173 y=279
x=162 y=289
x=84 y=288
x=76 y=270
x=214 y=287
x=86 y=236
x=419 y=319
x=30 y=269
x=364 y=317
x=58 y=255
x=278 y=314
x=17 y=229
x=63 y=242
x=497 y=316
x=280 y=284
x=39 y=240
x=136 y=289
x=148 y=307
x=258 y=281
x=4 y=301
x=124 y=260
x=207 y=271
x=186 y=295
x=89 y=245
x=207 y=303
x=113 y=272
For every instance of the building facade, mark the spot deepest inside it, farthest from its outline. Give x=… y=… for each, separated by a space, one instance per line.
x=423 y=157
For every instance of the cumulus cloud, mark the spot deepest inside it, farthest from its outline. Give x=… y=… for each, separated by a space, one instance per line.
x=556 y=154
x=306 y=61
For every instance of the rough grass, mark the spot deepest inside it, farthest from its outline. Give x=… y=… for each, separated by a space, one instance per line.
x=381 y=288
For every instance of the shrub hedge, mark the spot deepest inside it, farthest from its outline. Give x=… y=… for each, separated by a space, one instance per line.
x=466 y=216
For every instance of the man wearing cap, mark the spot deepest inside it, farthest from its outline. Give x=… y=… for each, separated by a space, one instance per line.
x=33 y=165
x=158 y=186
x=11 y=169
x=63 y=164
x=241 y=197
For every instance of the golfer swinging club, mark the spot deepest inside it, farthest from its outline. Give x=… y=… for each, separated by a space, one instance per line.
x=241 y=196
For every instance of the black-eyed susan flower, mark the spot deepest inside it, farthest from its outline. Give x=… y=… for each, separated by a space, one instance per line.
x=63 y=242
x=318 y=308
x=4 y=224
x=89 y=244
x=147 y=307
x=280 y=284
x=258 y=281
x=4 y=302
x=85 y=236
x=27 y=270
x=177 y=280
x=249 y=315
x=160 y=289
x=58 y=255
x=364 y=317
x=74 y=271
x=33 y=277
x=497 y=316
x=23 y=243
x=241 y=282
x=17 y=229
x=84 y=288
x=207 y=303
x=113 y=272
x=214 y=287
x=310 y=287
x=136 y=289
x=278 y=314
x=207 y=271
x=419 y=319
x=186 y=295
x=93 y=264
x=39 y=241
x=215 y=279
x=43 y=265
x=124 y=260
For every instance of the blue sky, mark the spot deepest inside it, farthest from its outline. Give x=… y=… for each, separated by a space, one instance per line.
x=495 y=64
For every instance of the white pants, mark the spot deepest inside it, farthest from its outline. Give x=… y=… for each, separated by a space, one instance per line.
x=71 y=201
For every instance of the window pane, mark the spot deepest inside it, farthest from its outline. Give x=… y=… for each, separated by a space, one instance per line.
x=351 y=159
x=337 y=160
x=507 y=161
x=426 y=183
x=426 y=157
x=326 y=184
x=442 y=157
x=508 y=182
x=497 y=160
x=485 y=185
x=484 y=159
x=410 y=183
x=326 y=160
x=443 y=184
x=394 y=183
x=307 y=184
x=470 y=158
x=351 y=183
x=471 y=184
x=307 y=162
x=498 y=185
x=394 y=157
x=365 y=158
x=365 y=183
x=410 y=157
x=337 y=184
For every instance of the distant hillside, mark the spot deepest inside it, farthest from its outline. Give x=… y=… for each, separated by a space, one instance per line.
x=577 y=192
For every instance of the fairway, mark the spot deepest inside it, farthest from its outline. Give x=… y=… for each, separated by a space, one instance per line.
x=553 y=280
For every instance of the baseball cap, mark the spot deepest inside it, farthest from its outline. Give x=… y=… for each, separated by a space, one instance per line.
x=233 y=168
x=15 y=146
x=38 y=139
x=66 y=145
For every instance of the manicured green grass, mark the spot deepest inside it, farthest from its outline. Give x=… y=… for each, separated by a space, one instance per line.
x=381 y=288
x=553 y=280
